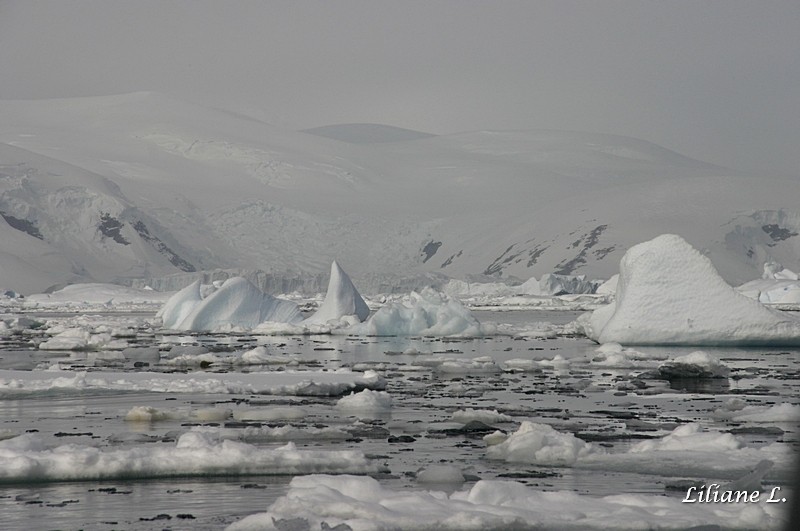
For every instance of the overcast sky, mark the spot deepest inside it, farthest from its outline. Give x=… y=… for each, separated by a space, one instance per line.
x=716 y=80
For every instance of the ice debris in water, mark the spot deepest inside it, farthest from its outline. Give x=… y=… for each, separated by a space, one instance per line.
x=487 y=416
x=26 y=458
x=365 y=400
x=440 y=474
x=539 y=444
x=697 y=364
x=361 y=503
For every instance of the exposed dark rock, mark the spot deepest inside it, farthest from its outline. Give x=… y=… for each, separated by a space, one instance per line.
x=23 y=225
x=429 y=250
x=452 y=257
x=589 y=240
x=777 y=233
x=162 y=248
x=110 y=227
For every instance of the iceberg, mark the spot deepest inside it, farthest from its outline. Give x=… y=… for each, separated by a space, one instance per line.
x=237 y=303
x=670 y=294
x=342 y=299
x=553 y=284
x=427 y=313
x=777 y=285
x=180 y=305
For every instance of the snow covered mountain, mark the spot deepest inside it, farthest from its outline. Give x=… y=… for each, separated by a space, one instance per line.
x=143 y=185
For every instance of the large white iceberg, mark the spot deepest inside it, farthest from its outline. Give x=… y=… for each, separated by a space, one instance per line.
x=670 y=294
x=237 y=303
x=342 y=299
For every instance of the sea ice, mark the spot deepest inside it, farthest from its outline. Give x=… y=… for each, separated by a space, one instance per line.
x=195 y=453
x=487 y=416
x=440 y=474
x=540 y=444
x=697 y=364
x=366 y=400
x=363 y=504
x=18 y=384
x=670 y=294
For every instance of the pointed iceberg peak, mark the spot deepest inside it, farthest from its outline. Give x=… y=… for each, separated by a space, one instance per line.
x=342 y=299
x=180 y=305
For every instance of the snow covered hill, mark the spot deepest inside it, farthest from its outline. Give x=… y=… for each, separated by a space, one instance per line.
x=143 y=185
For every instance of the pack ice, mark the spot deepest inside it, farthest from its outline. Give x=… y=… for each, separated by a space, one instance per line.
x=668 y=293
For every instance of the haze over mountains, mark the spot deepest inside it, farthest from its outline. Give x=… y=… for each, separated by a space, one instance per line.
x=144 y=185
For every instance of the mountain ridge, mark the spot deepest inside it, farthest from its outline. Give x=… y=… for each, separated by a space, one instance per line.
x=216 y=190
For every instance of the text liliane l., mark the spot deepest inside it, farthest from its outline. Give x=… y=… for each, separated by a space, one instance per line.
x=712 y=494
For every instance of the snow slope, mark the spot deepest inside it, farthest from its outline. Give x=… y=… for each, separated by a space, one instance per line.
x=143 y=185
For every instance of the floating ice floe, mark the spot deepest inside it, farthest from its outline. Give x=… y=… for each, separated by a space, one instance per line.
x=441 y=474
x=540 y=444
x=15 y=384
x=689 y=451
x=256 y=356
x=487 y=416
x=670 y=294
x=237 y=303
x=454 y=365
x=366 y=400
x=196 y=453
x=342 y=299
x=697 y=364
x=738 y=411
x=361 y=503
x=427 y=313
x=615 y=356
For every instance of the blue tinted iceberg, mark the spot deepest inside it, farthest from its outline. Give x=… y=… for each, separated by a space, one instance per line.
x=180 y=305
x=237 y=303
